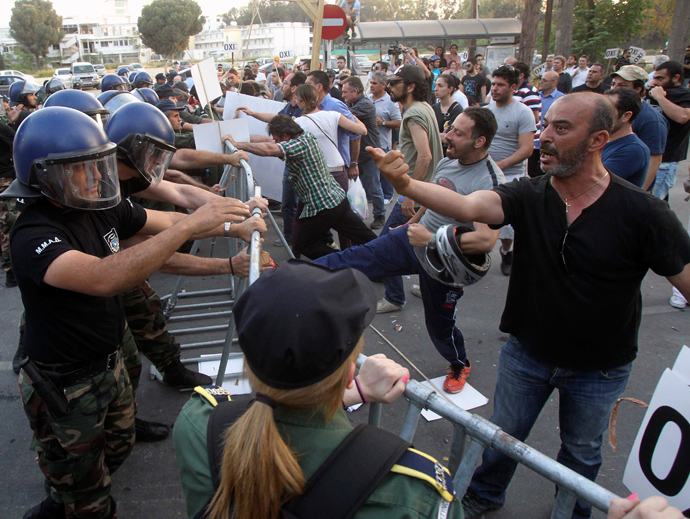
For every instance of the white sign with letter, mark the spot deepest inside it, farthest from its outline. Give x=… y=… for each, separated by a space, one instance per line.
x=636 y=55
x=612 y=53
x=231 y=47
x=539 y=71
x=464 y=55
x=658 y=463
x=286 y=54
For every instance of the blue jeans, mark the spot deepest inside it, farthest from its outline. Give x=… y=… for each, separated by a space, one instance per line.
x=386 y=186
x=370 y=180
x=665 y=178
x=392 y=254
x=524 y=385
x=395 y=291
x=289 y=207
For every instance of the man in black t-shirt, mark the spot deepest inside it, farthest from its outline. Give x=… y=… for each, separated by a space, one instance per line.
x=673 y=101
x=584 y=240
x=595 y=77
x=71 y=271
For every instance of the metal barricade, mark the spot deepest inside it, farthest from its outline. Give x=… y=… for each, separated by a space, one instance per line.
x=484 y=434
x=239 y=184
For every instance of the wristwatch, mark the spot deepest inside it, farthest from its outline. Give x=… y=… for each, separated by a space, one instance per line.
x=383 y=123
x=354 y=164
x=226 y=230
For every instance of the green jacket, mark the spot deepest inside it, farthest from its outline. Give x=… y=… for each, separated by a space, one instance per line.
x=398 y=495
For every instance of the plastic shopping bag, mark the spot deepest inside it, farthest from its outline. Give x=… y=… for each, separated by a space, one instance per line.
x=358 y=198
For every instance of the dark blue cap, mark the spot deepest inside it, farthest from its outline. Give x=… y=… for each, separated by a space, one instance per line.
x=166 y=105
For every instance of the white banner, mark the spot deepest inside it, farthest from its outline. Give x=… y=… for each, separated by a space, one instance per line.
x=612 y=53
x=636 y=55
x=539 y=71
x=286 y=54
x=658 y=463
x=231 y=47
x=206 y=81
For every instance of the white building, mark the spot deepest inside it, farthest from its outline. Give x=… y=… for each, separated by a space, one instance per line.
x=265 y=40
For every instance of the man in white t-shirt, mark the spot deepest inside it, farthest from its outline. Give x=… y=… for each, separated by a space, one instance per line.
x=579 y=75
x=513 y=143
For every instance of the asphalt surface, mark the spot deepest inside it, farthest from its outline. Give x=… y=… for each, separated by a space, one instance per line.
x=147 y=485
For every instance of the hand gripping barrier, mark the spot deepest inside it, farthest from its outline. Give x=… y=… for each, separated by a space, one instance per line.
x=484 y=434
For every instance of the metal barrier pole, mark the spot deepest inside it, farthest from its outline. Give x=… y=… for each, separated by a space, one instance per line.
x=469 y=463
x=411 y=421
x=255 y=245
x=375 y=413
x=457 y=448
x=564 y=505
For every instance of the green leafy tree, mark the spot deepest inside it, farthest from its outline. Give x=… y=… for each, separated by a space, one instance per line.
x=166 y=25
x=36 y=27
x=603 y=24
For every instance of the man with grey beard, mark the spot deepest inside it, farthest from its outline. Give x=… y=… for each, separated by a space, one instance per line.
x=584 y=242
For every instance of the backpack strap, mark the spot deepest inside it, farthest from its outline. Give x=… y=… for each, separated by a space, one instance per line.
x=222 y=417
x=350 y=474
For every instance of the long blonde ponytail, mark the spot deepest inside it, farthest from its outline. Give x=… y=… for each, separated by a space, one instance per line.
x=260 y=472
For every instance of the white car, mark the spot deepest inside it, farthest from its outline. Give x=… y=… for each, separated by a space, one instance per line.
x=138 y=67
x=364 y=62
x=65 y=74
x=100 y=69
x=17 y=73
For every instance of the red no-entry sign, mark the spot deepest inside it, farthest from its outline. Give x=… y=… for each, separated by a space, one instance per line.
x=333 y=22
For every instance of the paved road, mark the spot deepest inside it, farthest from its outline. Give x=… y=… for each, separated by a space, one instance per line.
x=148 y=485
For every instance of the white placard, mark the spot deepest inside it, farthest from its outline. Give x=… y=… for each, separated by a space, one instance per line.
x=207 y=137
x=231 y=47
x=286 y=54
x=636 y=55
x=205 y=78
x=268 y=171
x=539 y=71
x=467 y=399
x=464 y=55
x=658 y=463
x=612 y=53
x=234 y=382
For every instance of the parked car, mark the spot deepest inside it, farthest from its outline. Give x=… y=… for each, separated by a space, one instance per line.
x=85 y=74
x=185 y=64
x=364 y=62
x=28 y=77
x=6 y=81
x=66 y=75
x=100 y=69
x=138 y=67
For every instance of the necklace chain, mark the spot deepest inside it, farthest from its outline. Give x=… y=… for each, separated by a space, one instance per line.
x=565 y=200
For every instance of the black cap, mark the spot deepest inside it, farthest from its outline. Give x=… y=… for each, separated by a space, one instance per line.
x=165 y=91
x=166 y=105
x=160 y=75
x=181 y=85
x=410 y=73
x=299 y=323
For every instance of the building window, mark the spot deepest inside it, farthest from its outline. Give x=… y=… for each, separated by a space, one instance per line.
x=104 y=44
x=115 y=44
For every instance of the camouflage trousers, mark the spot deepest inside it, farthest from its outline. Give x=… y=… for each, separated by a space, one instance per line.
x=79 y=451
x=8 y=214
x=144 y=314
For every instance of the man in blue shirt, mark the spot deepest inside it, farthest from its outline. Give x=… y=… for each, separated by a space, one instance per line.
x=548 y=93
x=649 y=125
x=625 y=154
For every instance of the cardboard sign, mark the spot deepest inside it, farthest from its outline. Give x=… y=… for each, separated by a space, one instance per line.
x=636 y=55
x=539 y=71
x=268 y=171
x=206 y=81
x=286 y=54
x=612 y=53
x=231 y=47
x=207 y=137
x=658 y=463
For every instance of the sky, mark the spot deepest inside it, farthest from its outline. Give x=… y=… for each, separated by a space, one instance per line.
x=67 y=8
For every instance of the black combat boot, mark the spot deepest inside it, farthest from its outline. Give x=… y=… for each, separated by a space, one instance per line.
x=179 y=377
x=46 y=509
x=150 y=431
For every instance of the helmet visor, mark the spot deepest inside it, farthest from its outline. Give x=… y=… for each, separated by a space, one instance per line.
x=30 y=88
x=151 y=156
x=101 y=118
x=118 y=101
x=89 y=182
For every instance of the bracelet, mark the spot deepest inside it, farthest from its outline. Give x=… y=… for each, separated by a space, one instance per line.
x=361 y=393
x=231 y=267
x=226 y=230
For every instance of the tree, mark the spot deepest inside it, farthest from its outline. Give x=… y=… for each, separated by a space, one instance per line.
x=166 y=25
x=564 y=26
x=36 y=27
x=530 y=25
x=606 y=23
x=679 y=31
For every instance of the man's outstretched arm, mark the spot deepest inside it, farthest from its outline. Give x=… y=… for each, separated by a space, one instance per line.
x=480 y=206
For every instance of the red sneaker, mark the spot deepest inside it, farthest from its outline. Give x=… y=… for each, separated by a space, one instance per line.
x=457 y=376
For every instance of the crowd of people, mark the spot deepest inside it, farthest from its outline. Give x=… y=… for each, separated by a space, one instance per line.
x=571 y=174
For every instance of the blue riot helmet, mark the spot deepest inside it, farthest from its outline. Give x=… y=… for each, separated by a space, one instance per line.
x=147 y=95
x=143 y=80
x=80 y=100
x=131 y=79
x=54 y=85
x=20 y=91
x=113 y=100
x=144 y=139
x=113 y=82
x=66 y=156
x=122 y=71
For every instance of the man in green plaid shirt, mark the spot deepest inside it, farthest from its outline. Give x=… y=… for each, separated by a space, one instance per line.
x=323 y=204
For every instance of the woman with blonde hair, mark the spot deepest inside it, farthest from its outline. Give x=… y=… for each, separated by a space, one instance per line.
x=300 y=327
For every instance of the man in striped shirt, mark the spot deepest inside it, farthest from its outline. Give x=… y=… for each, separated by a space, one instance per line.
x=529 y=96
